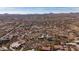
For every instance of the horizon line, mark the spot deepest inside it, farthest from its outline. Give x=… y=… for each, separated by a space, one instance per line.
x=42 y=13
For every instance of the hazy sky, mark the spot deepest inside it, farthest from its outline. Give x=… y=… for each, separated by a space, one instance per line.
x=33 y=10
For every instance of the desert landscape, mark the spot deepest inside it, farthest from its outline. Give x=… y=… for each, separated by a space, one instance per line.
x=39 y=32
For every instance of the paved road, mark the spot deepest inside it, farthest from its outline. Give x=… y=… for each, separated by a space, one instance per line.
x=4 y=37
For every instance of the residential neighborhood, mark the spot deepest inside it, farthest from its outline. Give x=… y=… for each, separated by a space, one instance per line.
x=39 y=32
